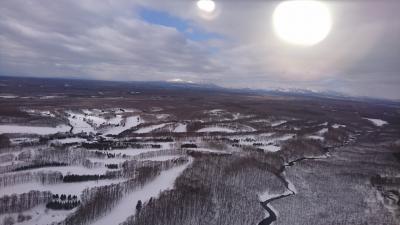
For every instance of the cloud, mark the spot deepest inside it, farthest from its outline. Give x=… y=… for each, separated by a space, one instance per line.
x=111 y=40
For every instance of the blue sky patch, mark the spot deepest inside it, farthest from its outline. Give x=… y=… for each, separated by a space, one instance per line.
x=185 y=27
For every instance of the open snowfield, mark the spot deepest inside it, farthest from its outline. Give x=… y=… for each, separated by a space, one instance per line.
x=74 y=188
x=377 y=122
x=216 y=129
x=126 y=206
x=33 y=129
x=130 y=122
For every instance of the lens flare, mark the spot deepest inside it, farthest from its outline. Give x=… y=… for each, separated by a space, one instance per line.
x=302 y=22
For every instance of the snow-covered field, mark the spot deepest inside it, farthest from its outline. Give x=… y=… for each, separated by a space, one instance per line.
x=74 y=188
x=216 y=129
x=126 y=206
x=33 y=129
x=130 y=122
x=377 y=122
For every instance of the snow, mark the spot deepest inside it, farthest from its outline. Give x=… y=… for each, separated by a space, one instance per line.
x=79 y=124
x=33 y=130
x=316 y=137
x=127 y=206
x=68 y=140
x=161 y=158
x=130 y=122
x=149 y=129
x=216 y=129
x=74 y=188
x=115 y=120
x=131 y=151
x=181 y=128
x=270 y=148
x=162 y=116
x=41 y=215
x=8 y=96
x=277 y=123
x=377 y=122
x=322 y=131
x=338 y=125
x=108 y=160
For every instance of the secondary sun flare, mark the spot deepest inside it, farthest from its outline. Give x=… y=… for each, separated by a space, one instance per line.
x=302 y=22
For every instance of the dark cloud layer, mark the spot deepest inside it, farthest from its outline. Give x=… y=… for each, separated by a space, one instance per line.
x=108 y=40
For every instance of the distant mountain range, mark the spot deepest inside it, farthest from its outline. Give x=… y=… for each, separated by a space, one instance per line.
x=182 y=85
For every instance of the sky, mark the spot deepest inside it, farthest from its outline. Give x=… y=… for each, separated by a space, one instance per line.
x=235 y=46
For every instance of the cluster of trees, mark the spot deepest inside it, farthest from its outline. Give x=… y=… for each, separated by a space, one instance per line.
x=131 y=167
x=99 y=200
x=163 y=152
x=44 y=177
x=109 y=145
x=17 y=203
x=214 y=190
x=112 y=166
x=40 y=165
x=299 y=147
x=4 y=141
x=70 y=156
x=188 y=145
x=80 y=178
x=63 y=202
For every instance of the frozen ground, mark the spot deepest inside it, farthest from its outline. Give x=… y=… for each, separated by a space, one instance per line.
x=74 y=188
x=33 y=129
x=130 y=122
x=216 y=129
x=126 y=206
x=377 y=122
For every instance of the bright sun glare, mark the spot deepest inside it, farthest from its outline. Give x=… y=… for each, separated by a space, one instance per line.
x=302 y=22
x=206 y=5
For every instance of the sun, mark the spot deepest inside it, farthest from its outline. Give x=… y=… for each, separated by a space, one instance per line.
x=206 y=5
x=302 y=22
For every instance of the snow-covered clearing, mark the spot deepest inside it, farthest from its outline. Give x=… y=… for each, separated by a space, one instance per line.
x=130 y=122
x=115 y=160
x=69 y=140
x=41 y=215
x=131 y=151
x=180 y=128
x=79 y=124
x=270 y=148
x=322 y=131
x=316 y=137
x=336 y=126
x=377 y=122
x=14 y=129
x=216 y=129
x=127 y=206
x=161 y=158
x=8 y=96
x=277 y=123
x=74 y=188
